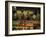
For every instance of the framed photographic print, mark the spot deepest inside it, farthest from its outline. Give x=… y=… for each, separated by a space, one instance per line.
x=24 y=18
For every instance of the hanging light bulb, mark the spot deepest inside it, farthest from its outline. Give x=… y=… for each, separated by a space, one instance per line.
x=34 y=16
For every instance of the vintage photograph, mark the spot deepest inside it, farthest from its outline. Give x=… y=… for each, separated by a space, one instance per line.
x=25 y=18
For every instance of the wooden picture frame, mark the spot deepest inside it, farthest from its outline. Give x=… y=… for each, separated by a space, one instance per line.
x=26 y=5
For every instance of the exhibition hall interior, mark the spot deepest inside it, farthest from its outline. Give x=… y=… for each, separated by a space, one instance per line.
x=25 y=18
